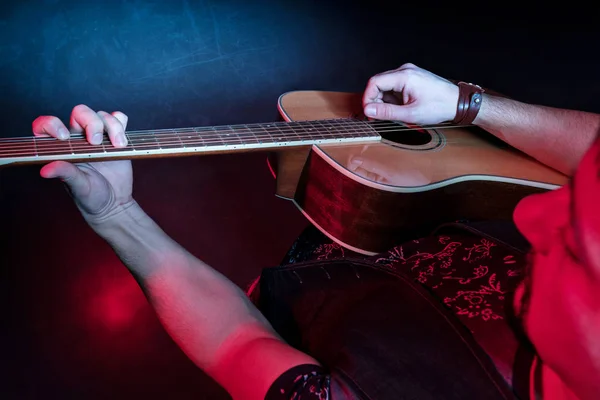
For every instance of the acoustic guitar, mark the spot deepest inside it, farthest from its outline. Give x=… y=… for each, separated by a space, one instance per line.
x=366 y=184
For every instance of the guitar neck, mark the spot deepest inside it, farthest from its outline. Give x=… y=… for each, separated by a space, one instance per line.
x=189 y=141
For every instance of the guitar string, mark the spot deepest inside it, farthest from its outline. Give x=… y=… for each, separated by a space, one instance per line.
x=86 y=148
x=46 y=145
x=210 y=137
x=83 y=147
x=287 y=128
x=230 y=138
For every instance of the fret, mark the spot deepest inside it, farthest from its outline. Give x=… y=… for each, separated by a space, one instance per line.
x=346 y=128
x=298 y=130
x=129 y=145
x=324 y=132
x=207 y=137
x=199 y=139
x=168 y=140
x=262 y=135
x=328 y=129
x=143 y=142
x=108 y=147
x=25 y=147
x=292 y=135
x=223 y=133
x=164 y=140
x=308 y=131
x=250 y=135
x=22 y=148
x=235 y=132
x=351 y=128
x=79 y=145
x=339 y=129
x=191 y=138
x=70 y=147
x=267 y=135
x=365 y=129
x=174 y=132
x=155 y=139
x=106 y=140
x=302 y=134
x=185 y=138
x=52 y=147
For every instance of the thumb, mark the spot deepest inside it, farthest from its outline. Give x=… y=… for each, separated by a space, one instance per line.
x=390 y=112
x=73 y=177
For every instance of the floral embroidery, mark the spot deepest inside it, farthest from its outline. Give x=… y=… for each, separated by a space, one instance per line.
x=477 y=273
x=460 y=286
x=479 y=251
x=328 y=250
x=471 y=301
x=394 y=255
x=443 y=239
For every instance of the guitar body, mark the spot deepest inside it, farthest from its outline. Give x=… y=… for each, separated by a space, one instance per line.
x=370 y=197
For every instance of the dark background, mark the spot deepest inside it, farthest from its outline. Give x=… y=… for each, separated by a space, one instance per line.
x=74 y=323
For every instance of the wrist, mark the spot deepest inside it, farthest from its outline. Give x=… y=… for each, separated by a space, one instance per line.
x=117 y=217
x=452 y=103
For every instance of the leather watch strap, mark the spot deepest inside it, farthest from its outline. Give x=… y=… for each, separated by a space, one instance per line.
x=470 y=97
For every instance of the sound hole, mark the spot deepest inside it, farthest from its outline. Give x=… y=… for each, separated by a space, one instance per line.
x=416 y=137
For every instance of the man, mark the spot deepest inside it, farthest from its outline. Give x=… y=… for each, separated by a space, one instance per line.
x=365 y=328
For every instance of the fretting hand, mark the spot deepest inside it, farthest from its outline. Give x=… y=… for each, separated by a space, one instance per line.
x=100 y=189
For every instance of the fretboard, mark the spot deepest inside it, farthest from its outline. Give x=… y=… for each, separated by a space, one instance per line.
x=189 y=141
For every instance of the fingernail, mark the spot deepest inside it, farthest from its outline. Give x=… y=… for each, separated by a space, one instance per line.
x=97 y=138
x=121 y=140
x=370 y=111
x=63 y=133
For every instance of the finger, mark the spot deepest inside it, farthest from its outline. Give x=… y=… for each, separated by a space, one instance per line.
x=72 y=176
x=50 y=126
x=391 y=112
x=114 y=128
x=385 y=82
x=123 y=119
x=84 y=119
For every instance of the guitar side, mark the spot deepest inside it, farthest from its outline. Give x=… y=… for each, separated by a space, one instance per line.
x=370 y=197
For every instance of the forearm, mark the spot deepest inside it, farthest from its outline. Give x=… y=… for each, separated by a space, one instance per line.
x=200 y=308
x=555 y=137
